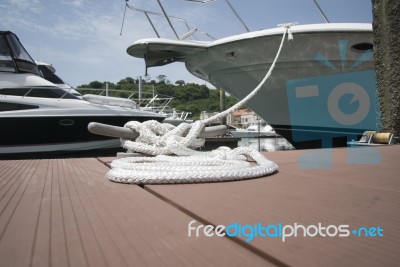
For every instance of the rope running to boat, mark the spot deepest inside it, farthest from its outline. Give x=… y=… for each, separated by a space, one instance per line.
x=176 y=161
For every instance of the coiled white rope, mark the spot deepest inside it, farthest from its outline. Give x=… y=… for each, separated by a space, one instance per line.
x=191 y=169
x=188 y=166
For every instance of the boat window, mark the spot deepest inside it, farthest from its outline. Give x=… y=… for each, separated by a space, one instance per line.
x=25 y=66
x=15 y=53
x=6 y=106
x=14 y=91
x=44 y=92
x=6 y=63
x=363 y=47
x=51 y=93
x=18 y=50
x=39 y=92
x=49 y=75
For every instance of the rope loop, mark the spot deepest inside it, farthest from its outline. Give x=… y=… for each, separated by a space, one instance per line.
x=176 y=161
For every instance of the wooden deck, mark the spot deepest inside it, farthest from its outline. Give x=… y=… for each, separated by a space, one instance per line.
x=64 y=212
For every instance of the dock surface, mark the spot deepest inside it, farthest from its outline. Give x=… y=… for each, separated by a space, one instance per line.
x=65 y=212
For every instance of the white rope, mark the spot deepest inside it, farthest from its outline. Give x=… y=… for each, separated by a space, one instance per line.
x=190 y=169
x=161 y=139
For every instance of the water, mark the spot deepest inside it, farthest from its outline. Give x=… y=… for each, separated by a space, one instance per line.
x=266 y=144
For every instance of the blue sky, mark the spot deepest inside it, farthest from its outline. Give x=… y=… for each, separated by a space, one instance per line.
x=81 y=38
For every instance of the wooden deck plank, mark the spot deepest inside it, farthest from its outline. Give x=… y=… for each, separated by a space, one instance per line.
x=92 y=207
x=59 y=249
x=145 y=250
x=64 y=212
x=76 y=252
x=357 y=195
x=359 y=174
x=81 y=226
x=123 y=216
x=41 y=251
x=22 y=206
x=10 y=181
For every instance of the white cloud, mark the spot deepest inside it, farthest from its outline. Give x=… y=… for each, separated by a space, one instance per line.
x=76 y=3
x=28 y=5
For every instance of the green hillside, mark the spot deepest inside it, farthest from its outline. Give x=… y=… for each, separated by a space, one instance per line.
x=187 y=97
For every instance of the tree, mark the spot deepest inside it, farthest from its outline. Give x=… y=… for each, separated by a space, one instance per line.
x=129 y=80
x=189 y=97
x=161 y=78
x=180 y=82
x=96 y=85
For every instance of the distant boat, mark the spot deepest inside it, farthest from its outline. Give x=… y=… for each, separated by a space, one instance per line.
x=254 y=130
x=177 y=117
x=39 y=116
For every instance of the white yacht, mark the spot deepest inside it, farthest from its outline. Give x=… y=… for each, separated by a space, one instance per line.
x=38 y=116
x=322 y=90
x=176 y=117
x=254 y=130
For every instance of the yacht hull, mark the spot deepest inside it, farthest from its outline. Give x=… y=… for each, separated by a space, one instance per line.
x=321 y=92
x=21 y=135
x=304 y=99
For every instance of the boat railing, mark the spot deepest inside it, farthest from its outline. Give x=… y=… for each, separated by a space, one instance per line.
x=158 y=103
x=143 y=100
x=37 y=91
x=186 y=114
x=148 y=13
x=177 y=114
x=191 y=31
x=27 y=93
